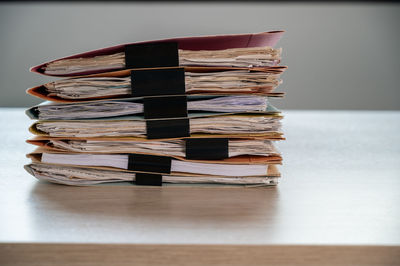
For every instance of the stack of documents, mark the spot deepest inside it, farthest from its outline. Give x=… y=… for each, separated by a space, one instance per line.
x=191 y=110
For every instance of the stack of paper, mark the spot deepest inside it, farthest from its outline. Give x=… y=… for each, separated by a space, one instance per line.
x=236 y=57
x=185 y=110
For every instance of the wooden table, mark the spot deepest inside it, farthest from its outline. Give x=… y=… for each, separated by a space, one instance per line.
x=338 y=203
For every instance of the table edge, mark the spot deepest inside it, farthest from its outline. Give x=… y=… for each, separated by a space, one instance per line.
x=198 y=254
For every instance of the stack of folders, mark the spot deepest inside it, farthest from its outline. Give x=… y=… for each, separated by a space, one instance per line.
x=191 y=110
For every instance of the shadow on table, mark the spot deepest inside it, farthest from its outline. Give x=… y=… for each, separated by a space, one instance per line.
x=218 y=204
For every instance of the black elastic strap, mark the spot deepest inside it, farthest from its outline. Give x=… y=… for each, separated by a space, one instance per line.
x=168 y=128
x=148 y=55
x=165 y=107
x=207 y=149
x=148 y=179
x=154 y=82
x=149 y=163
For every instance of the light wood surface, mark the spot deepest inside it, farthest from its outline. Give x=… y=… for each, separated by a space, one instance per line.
x=182 y=255
x=338 y=202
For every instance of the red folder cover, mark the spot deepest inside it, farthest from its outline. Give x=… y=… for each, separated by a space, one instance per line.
x=218 y=42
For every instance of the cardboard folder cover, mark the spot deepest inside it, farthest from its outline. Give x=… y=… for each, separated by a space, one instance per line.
x=237 y=166
x=218 y=42
x=85 y=176
x=224 y=125
x=153 y=107
x=269 y=80
x=189 y=148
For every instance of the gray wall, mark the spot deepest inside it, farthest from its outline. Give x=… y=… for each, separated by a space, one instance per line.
x=340 y=56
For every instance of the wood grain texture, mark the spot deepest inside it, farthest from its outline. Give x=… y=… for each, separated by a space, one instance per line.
x=338 y=199
x=176 y=255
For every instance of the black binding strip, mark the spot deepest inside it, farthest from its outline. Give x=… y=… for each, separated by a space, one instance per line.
x=168 y=128
x=148 y=179
x=155 y=82
x=165 y=107
x=207 y=149
x=149 y=163
x=148 y=55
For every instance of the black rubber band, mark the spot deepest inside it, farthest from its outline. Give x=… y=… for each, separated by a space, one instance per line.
x=149 y=55
x=165 y=107
x=155 y=82
x=207 y=148
x=149 y=163
x=168 y=128
x=148 y=179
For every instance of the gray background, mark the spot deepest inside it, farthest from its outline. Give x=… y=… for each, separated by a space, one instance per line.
x=340 y=56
